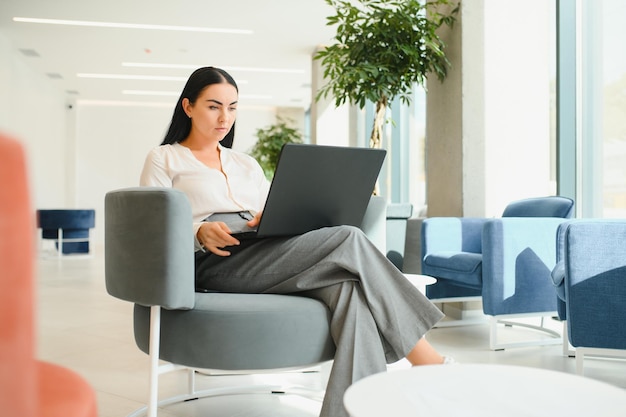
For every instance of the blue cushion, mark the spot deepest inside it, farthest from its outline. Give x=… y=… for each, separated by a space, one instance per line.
x=552 y=206
x=465 y=268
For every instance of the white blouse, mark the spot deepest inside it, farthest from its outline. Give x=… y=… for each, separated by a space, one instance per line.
x=242 y=186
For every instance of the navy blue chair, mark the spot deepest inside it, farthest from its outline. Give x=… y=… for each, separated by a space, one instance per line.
x=590 y=282
x=70 y=229
x=503 y=262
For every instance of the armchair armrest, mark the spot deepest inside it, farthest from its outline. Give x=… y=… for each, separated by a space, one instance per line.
x=595 y=282
x=149 y=247
x=519 y=254
x=452 y=234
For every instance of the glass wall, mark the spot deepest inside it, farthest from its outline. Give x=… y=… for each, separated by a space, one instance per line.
x=592 y=105
x=604 y=107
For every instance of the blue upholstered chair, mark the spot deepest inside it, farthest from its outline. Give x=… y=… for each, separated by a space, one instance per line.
x=149 y=261
x=69 y=229
x=590 y=281
x=504 y=262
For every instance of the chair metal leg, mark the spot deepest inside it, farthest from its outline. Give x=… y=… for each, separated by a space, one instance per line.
x=580 y=358
x=155 y=337
x=60 y=242
x=568 y=350
x=555 y=337
x=596 y=352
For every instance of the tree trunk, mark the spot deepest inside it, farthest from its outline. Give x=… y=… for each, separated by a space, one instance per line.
x=379 y=120
x=376 y=137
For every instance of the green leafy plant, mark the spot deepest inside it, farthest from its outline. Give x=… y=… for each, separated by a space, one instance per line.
x=382 y=48
x=270 y=141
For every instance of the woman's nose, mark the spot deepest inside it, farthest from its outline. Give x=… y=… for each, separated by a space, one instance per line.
x=224 y=116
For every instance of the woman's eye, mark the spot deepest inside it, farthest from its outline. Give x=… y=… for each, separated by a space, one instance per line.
x=232 y=108
x=213 y=107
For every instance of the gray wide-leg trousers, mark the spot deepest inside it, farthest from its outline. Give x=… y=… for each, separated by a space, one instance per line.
x=377 y=314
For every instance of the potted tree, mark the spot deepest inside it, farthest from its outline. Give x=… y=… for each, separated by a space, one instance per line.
x=270 y=141
x=382 y=48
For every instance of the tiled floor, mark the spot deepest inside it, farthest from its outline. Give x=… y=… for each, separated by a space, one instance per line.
x=80 y=326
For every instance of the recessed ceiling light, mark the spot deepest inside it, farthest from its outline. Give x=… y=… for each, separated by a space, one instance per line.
x=117 y=25
x=225 y=67
x=29 y=52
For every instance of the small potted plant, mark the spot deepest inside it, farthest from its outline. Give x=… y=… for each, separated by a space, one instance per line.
x=270 y=142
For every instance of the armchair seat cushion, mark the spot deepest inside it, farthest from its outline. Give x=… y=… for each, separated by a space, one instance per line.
x=242 y=332
x=465 y=268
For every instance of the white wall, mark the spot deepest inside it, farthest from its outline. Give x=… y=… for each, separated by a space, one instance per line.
x=112 y=140
x=516 y=102
x=488 y=124
x=33 y=111
x=79 y=150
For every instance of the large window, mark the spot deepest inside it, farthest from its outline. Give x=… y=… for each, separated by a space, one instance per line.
x=593 y=105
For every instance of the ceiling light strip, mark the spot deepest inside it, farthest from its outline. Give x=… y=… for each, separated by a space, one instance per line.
x=131 y=77
x=117 y=25
x=150 y=93
x=228 y=68
x=138 y=77
x=176 y=94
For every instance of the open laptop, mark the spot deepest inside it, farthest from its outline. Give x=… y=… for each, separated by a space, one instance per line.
x=315 y=186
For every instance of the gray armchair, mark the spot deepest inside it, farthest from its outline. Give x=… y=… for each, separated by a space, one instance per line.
x=149 y=261
x=590 y=281
x=503 y=262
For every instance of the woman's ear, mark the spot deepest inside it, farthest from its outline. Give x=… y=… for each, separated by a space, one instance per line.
x=186 y=107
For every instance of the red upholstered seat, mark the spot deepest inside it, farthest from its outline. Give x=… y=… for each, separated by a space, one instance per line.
x=28 y=387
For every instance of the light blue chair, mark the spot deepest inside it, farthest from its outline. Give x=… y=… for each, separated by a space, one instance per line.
x=503 y=262
x=590 y=282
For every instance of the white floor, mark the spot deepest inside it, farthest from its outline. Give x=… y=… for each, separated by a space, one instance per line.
x=80 y=326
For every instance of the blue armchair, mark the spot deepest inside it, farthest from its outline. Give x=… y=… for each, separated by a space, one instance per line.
x=504 y=262
x=69 y=229
x=590 y=281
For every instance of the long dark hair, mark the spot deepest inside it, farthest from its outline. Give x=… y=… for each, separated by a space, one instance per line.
x=199 y=80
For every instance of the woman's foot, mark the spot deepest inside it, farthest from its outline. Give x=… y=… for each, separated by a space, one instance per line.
x=448 y=360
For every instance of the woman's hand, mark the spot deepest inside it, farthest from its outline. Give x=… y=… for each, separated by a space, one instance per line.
x=214 y=236
x=256 y=220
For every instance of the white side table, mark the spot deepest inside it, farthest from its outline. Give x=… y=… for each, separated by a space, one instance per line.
x=421 y=281
x=477 y=390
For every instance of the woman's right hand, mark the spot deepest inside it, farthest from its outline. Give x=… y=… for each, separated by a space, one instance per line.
x=214 y=236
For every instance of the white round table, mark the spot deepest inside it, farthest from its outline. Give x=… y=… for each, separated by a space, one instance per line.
x=420 y=281
x=477 y=390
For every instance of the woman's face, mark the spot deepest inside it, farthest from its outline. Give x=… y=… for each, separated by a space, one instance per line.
x=214 y=112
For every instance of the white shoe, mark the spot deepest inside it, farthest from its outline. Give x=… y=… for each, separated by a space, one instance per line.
x=448 y=360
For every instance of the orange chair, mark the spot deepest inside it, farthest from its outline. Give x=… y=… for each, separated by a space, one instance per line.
x=28 y=387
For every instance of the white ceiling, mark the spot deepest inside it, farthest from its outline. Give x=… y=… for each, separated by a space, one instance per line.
x=285 y=35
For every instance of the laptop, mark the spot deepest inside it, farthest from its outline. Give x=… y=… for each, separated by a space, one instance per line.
x=314 y=186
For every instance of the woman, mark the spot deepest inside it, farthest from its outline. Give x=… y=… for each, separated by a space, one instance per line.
x=378 y=317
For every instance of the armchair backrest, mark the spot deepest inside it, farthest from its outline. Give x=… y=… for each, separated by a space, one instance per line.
x=66 y=219
x=551 y=206
x=149 y=248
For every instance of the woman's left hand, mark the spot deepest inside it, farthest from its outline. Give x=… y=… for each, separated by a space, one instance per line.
x=256 y=220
